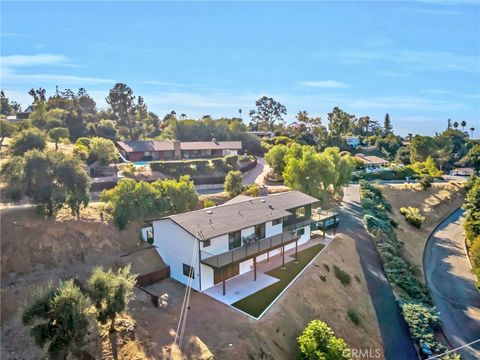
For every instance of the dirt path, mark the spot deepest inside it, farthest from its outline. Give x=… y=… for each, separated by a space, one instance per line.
x=452 y=285
x=395 y=335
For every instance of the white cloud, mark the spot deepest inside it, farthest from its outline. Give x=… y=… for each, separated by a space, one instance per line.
x=324 y=84
x=437 y=12
x=416 y=60
x=12 y=61
x=11 y=64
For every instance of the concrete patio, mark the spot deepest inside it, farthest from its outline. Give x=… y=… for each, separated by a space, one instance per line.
x=244 y=285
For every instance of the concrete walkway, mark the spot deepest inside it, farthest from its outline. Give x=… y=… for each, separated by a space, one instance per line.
x=244 y=285
x=452 y=285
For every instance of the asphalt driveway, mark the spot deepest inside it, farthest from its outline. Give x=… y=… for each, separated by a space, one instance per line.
x=393 y=329
x=452 y=285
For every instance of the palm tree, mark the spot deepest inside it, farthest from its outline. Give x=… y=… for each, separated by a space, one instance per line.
x=455 y=124
x=410 y=137
x=183 y=116
x=472 y=129
x=463 y=123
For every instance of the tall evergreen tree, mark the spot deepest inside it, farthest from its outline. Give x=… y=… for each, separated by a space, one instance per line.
x=387 y=125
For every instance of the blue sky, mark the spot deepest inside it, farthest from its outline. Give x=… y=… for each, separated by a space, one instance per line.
x=418 y=61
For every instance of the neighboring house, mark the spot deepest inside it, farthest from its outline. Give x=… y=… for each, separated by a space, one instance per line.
x=209 y=246
x=353 y=141
x=176 y=150
x=372 y=161
x=463 y=171
x=262 y=134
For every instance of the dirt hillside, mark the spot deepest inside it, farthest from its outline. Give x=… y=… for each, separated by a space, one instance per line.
x=434 y=203
x=35 y=251
x=231 y=335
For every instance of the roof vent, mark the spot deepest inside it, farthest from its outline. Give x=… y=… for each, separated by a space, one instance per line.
x=210 y=212
x=251 y=201
x=270 y=206
x=263 y=200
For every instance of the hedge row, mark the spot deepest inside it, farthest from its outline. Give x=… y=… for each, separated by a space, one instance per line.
x=414 y=298
x=196 y=167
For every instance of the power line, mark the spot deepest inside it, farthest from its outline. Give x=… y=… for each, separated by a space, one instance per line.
x=449 y=351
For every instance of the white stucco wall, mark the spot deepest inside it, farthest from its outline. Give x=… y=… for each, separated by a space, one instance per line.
x=218 y=245
x=271 y=229
x=175 y=246
x=207 y=276
x=246 y=266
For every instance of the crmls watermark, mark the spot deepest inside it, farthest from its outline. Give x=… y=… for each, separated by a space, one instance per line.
x=361 y=353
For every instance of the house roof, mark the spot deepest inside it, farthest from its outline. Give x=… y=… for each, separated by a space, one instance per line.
x=210 y=145
x=134 y=146
x=233 y=216
x=166 y=145
x=371 y=159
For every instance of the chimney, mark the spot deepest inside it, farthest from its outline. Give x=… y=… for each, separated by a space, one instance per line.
x=177 y=152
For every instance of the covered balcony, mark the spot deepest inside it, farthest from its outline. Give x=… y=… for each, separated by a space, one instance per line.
x=251 y=248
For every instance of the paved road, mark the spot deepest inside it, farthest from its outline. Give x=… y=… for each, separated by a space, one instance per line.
x=452 y=285
x=393 y=329
x=256 y=174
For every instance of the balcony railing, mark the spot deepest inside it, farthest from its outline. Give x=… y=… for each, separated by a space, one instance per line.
x=248 y=251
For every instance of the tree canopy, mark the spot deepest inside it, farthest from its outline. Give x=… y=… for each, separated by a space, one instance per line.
x=268 y=112
x=27 y=140
x=318 y=342
x=59 y=318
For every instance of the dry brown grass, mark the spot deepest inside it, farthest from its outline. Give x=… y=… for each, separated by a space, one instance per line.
x=434 y=203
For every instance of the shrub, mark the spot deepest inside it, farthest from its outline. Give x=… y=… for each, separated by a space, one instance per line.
x=341 y=275
x=327 y=267
x=208 y=203
x=423 y=321
x=252 y=190
x=233 y=183
x=129 y=170
x=413 y=216
x=354 y=316
x=102 y=150
x=319 y=342
x=426 y=181
x=231 y=160
x=323 y=278
x=219 y=164
x=27 y=140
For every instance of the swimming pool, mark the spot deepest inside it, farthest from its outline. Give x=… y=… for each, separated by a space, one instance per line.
x=141 y=163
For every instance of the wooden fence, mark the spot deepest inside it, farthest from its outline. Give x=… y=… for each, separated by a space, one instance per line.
x=153 y=277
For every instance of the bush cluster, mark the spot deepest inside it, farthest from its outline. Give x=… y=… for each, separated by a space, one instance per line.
x=415 y=300
x=413 y=216
x=318 y=341
x=472 y=225
x=196 y=167
x=341 y=275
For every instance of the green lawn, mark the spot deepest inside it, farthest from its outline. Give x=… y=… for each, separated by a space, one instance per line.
x=257 y=302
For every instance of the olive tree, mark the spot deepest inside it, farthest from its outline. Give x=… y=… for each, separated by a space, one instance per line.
x=233 y=183
x=28 y=139
x=59 y=318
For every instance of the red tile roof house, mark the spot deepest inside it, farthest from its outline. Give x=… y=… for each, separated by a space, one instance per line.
x=176 y=150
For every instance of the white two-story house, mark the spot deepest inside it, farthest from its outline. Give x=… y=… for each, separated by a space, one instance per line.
x=209 y=246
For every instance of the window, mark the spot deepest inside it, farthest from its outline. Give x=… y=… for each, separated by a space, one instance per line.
x=188 y=271
x=276 y=221
x=206 y=243
x=147 y=153
x=260 y=231
x=234 y=240
x=300 y=212
x=300 y=232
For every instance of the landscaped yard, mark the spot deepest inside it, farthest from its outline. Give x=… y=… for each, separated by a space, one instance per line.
x=256 y=303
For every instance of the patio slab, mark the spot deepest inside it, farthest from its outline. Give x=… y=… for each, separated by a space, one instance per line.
x=241 y=286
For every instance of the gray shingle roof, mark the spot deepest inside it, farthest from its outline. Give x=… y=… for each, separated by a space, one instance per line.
x=219 y=220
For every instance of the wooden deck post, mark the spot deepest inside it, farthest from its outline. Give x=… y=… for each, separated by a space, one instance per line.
x=254 y=268
x=324 y=229
x=268 y=257
x=334 y=225
x=296 y=251
x=283 y=257
x=223 y=281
